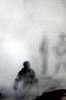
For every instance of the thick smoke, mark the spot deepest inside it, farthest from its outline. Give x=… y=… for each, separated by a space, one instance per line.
x=29 y=30
x=60 y=53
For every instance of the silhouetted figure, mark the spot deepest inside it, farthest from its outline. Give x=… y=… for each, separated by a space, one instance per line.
x=44 y=55
x=60 y=53
x=27 y=75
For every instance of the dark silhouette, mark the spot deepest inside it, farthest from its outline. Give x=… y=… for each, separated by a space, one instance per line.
x=44 y=54
x=27 y=75
x=53 y=95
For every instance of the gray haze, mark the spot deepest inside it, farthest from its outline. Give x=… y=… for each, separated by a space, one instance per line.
x=24 y=24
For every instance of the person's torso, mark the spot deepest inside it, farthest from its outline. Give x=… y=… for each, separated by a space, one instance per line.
x=27 y=75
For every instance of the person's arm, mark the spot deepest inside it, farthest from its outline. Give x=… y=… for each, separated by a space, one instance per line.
x=17 y=80
x=33 y=74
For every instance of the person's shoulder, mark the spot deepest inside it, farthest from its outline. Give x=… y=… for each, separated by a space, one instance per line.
x=21 y=70
x=31 y=70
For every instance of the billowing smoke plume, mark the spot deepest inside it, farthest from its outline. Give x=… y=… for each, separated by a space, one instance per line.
x=44 y=54
x=60 y=53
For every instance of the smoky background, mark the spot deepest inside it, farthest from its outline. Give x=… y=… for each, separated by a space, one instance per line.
x=30 y=30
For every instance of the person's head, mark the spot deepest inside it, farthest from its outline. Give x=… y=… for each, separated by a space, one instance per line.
x=26 y=64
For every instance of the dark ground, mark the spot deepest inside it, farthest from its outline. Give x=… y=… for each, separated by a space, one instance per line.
x=53 y=95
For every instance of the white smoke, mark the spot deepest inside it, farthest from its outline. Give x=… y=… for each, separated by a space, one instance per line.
x=23 y=24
